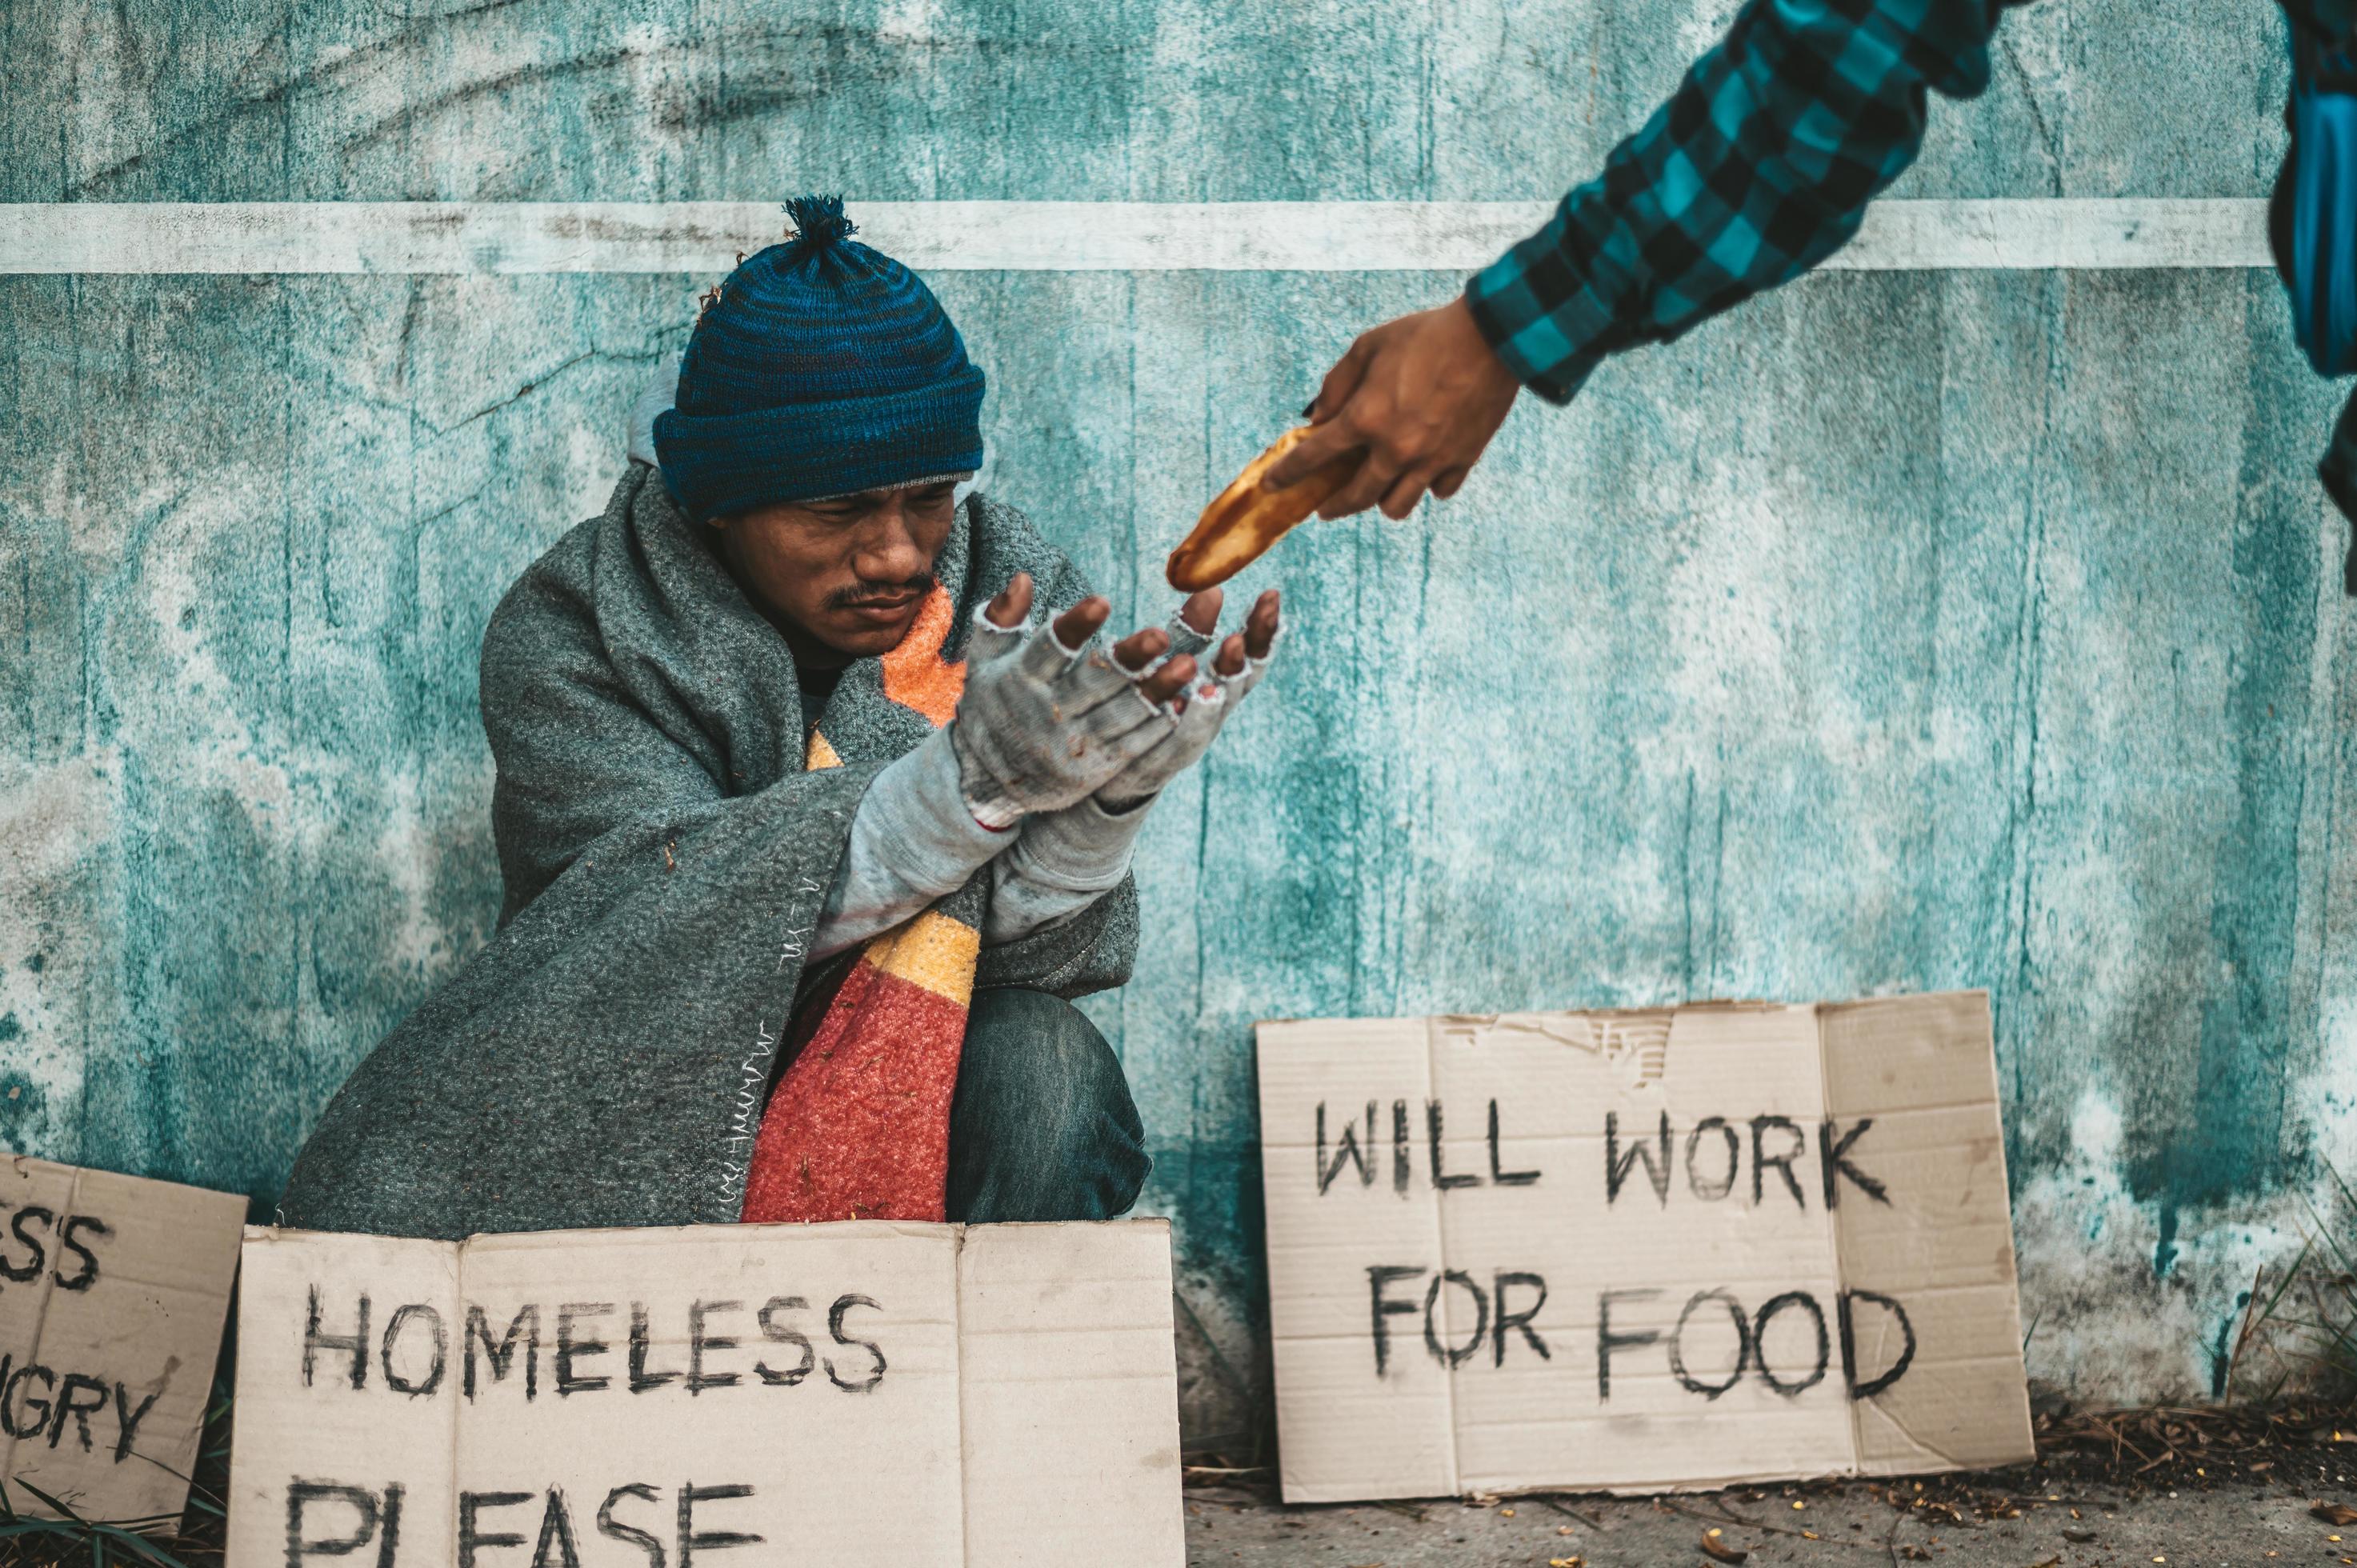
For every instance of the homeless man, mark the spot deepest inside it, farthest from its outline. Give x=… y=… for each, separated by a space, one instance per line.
x=810 y=830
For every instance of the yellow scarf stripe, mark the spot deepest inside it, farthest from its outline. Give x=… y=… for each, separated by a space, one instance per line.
x=933 y=951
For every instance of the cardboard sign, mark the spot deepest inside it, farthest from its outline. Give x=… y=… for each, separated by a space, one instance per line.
x=1633 y=1252
x=710 y=1396
x=112 y=1292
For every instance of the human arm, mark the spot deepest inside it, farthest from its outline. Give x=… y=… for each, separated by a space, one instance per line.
x=1760 y=165
x=913 y=843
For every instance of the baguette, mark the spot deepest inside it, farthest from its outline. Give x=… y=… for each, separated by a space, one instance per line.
x=1247 y=518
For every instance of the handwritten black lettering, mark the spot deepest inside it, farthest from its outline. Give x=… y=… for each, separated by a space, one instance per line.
x=355 y=1342
x=556 y=1533
x=1617 y=1165
x=780 y=1334
x=1450 y=1355
x=301 y=1494
x=1761 y=1161
x=1834 y=1156
x=1898 y=1368
x=615 y=1530
x=1519 y=1321
x=68 y=1406
x=438 y=1338
x=1795 y=1299
x=388 y=1536
x=76 y=1398
x=569 y=1349
x=1401 y=1161
x=692 y=1539
x=1441 y=1179
x=69 y=1241
x=1607 y=1341
x=1383 y=1309
x=471 y=1535
x=842 y=1304
x=1499 y=1177
x=127 y=1419
x=24 y=1273
x=641 y=1342
x=1347 y=1149
x=1711 y=1191
x=13 y=1402
x=700 y=1343
x=501 y=1355
x=1678 y=1365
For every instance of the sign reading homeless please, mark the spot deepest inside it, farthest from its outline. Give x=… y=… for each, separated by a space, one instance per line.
x=112 y=1292
x=708 y=1396
x=1630 y=1250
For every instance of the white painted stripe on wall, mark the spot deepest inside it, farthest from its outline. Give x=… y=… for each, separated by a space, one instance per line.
x=703 y=238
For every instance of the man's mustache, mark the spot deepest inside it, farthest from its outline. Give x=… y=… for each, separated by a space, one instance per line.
x=865 y=593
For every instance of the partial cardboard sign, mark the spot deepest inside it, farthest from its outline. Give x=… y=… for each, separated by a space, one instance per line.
x=114 y=1291
x=1633 y=1252
x=862 y=1392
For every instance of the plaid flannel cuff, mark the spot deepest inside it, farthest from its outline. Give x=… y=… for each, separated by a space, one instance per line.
x=1544 y=321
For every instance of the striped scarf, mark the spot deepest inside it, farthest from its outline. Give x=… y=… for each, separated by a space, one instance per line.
x=858 y=1128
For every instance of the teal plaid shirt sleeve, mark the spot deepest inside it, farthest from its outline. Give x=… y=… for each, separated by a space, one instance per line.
x=2331 y=19
x=1760 y=167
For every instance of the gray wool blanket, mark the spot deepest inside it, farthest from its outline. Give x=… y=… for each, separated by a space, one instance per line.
x=605 y=1059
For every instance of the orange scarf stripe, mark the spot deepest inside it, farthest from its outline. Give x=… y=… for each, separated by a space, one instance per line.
x=915 y=674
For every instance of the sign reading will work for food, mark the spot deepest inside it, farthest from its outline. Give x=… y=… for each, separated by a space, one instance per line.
x=1635 y=1251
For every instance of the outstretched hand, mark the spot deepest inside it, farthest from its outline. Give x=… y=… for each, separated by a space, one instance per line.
x=1073 y=629
x=1045 y=718
x=1192 y=630
x=1254 y=643
x=1422 y=396
x=1236 y=668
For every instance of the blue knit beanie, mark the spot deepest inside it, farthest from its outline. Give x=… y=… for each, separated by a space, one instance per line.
x=822 y=369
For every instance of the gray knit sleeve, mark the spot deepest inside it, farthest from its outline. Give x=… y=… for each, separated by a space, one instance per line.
x=913 y=843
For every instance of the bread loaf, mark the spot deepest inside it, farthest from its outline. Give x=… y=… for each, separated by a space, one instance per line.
x=1248 y=517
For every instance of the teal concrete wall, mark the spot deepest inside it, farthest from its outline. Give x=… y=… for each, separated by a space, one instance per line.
x=1904 y=631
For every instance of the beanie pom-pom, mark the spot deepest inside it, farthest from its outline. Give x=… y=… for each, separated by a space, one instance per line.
x=819 y=222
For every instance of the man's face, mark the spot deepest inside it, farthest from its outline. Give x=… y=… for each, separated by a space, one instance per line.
x=842 y=578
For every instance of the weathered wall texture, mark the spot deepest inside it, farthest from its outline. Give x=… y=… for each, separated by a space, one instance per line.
x=1902 y=631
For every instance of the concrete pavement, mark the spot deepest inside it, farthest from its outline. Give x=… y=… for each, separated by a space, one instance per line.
x=2030 y=1519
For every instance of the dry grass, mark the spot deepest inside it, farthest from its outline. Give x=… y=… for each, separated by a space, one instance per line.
x=2298 y=1337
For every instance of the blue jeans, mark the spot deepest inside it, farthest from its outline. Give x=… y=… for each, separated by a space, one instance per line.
x=1042 y=1126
